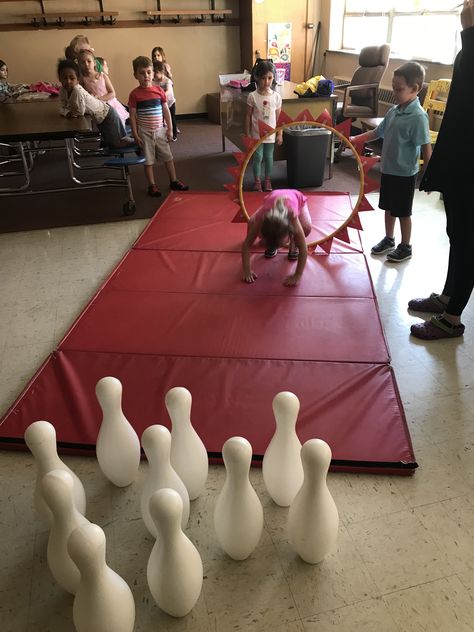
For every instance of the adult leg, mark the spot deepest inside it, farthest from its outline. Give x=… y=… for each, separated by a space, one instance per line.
x=460 y=228
x=460 y=276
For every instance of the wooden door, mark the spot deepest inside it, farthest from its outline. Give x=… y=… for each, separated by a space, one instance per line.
x=254 y=19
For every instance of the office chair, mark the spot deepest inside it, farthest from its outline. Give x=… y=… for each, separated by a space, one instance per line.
x=361 y=94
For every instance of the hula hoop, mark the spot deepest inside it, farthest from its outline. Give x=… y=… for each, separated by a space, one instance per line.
x=342 y=138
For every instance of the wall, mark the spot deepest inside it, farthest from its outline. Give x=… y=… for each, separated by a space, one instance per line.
x=197 y=55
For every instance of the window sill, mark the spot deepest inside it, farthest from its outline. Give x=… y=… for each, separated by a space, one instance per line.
x=353 y=53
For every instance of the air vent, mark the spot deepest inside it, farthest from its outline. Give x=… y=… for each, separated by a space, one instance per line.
x=340 y=80
x=386 y=96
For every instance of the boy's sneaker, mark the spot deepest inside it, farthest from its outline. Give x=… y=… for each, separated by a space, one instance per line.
x=401 y=252
x=270 y=253
x=176 y=185
x=154 y=191
x=387 y=243
x=257 y=185
x=267 y=185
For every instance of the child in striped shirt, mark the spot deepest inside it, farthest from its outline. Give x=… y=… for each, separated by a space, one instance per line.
x=149 y=113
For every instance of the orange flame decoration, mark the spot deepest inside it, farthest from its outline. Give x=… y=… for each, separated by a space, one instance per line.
x=342 y=131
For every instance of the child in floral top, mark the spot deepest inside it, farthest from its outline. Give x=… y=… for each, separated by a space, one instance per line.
x=263 y=104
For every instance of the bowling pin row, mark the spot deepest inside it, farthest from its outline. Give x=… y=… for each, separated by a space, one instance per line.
x=118 y=447
x=238 y=516
x=76 y=548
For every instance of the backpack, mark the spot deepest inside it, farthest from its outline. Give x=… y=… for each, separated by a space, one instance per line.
x=325 y=88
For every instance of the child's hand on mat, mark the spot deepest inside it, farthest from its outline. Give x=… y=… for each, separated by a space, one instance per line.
x=249 y=277
x=291 y=280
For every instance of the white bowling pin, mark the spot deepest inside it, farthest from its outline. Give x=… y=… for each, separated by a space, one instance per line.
x=118 y=447
x=57 y=490
x=40 y=437
x=156 y=441
x=313 y=519
x=238 y=513
x=188 y=453
x=174 y=571
x=103 y=601
x=281 y=468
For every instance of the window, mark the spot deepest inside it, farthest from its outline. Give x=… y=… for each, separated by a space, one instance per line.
x=416 y=29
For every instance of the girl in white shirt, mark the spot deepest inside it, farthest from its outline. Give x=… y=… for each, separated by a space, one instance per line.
x=263 y=104
x=75 y=101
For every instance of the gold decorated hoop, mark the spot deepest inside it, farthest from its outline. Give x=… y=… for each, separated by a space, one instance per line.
x=342 y=138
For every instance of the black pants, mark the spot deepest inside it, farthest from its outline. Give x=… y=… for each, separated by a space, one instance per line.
x=458 y=203
x=173 y=120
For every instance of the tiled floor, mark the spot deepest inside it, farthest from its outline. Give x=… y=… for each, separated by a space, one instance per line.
x=405 y=558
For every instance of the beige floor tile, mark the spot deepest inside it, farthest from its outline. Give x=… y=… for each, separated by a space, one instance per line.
x=340 y=579
x=440 y=418
x=437 y=478
x=14 y=609
x=398 y=551
x=467 y=580
x=449 y=523
x=439 y=605
x=248 y=595
x=359 y=497
x=365 y=616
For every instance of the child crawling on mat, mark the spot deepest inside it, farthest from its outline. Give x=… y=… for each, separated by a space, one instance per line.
x=282 y=220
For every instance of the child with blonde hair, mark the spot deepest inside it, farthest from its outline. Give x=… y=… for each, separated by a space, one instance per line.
x=98 y=83
x=283 y=219
x=161 y=79
x=158 y=54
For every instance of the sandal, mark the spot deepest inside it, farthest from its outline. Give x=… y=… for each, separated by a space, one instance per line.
x=436 y=328
x=293 y=255
x=431 y=304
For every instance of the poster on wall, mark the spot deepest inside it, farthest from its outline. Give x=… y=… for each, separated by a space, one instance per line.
x=279 y=45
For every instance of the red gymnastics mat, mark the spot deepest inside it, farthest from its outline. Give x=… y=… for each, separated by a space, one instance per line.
x=175 y=313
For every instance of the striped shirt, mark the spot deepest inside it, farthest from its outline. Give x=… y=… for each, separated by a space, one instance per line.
x=148 y=102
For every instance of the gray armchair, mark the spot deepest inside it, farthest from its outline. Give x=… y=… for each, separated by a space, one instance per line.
x=361 y=94
x=361 y=98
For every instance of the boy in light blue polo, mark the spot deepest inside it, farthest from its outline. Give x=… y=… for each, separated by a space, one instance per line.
x=405 y=129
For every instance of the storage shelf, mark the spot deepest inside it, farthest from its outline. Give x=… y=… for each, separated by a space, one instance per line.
x=98 y=19
x=200 y=15
x=60 y=19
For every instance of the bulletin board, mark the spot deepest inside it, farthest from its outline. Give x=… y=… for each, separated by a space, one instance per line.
x=279 y=45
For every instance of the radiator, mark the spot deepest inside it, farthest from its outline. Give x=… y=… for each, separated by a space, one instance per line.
x=386 y=96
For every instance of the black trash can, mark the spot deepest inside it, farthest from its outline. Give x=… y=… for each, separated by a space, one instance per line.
x=306 y=150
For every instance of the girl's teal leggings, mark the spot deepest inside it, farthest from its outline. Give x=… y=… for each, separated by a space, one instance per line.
x=263 y=152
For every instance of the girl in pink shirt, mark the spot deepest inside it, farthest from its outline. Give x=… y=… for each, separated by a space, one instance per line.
x=283 y=219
